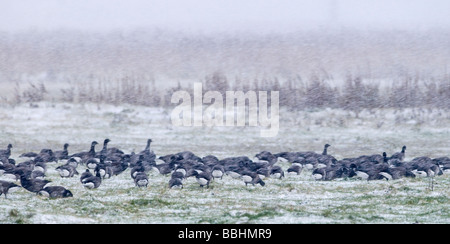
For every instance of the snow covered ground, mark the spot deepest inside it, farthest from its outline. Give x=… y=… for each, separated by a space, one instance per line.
x=297 y=199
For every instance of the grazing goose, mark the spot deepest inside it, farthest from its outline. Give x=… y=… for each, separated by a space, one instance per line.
x=67 y=171
x=446 y=168
x=118 y=167
x=6 y=187
x=36 y=174
x=139 y=167
x=250 y=177
x=319 y=173
x=295 y=169
x=40 y=166
x=175 y=183
x=46 y=156
x=396 y=173
x=217 y=171
x=28 y=155
x=263 y=173
x=92 y=181
x=32 y=185
x=210 y=160
x=276 y=172
x=141 y=179
x=332 y=172
x=177 y=174
x=8 y=171
x=163 y=168
x=72 y=162
x=55 y=192
x=233 y=171
x=266 y=156
x=91 y=163
x=203 y=178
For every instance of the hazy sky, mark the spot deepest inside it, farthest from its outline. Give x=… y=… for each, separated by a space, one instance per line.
x=222 y=15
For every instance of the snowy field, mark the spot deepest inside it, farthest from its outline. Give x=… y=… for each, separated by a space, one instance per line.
x=297 y=199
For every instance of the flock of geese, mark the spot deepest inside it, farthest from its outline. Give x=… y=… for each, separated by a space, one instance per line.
x=97 y=166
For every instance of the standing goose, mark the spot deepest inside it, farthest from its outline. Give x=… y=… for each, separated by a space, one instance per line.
x=250 y=177
x=141 y=179
x=149 y=156
x=6 y=153
x=6 y=187
x=92 y=182
x=325 y=148
x=217 y=171
x=86 y=155
x=399 y=155
x=203 y=178
x=64 y=154
x=175 y=183
x=276 y=172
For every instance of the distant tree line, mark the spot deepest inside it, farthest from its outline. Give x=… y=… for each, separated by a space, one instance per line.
x=315 y=92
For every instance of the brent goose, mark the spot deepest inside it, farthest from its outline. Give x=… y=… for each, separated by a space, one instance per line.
x=149 y=156
x=64 y=154
x=295 y=169
x=217 y=171
x=399 y=155
x=46 y=155
x=72 y=162
x=203 y=178
x=91 y=163
x=67 y=171
x=276 y=172
x=6 y=153
x=177 y=174
x=328 y=173
x=325 y=149
x=28 y=155
x=85 y=155
x=104 y=152
x=6 y=187
x=266 y=156
x=163 y=168
x=86 y=174
x=141 y=179
x=263 y=172
x=92 y=182
x=250 y=177
x=32 y=185
x=55 y=192
x=175 y=183
x=105 y=170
